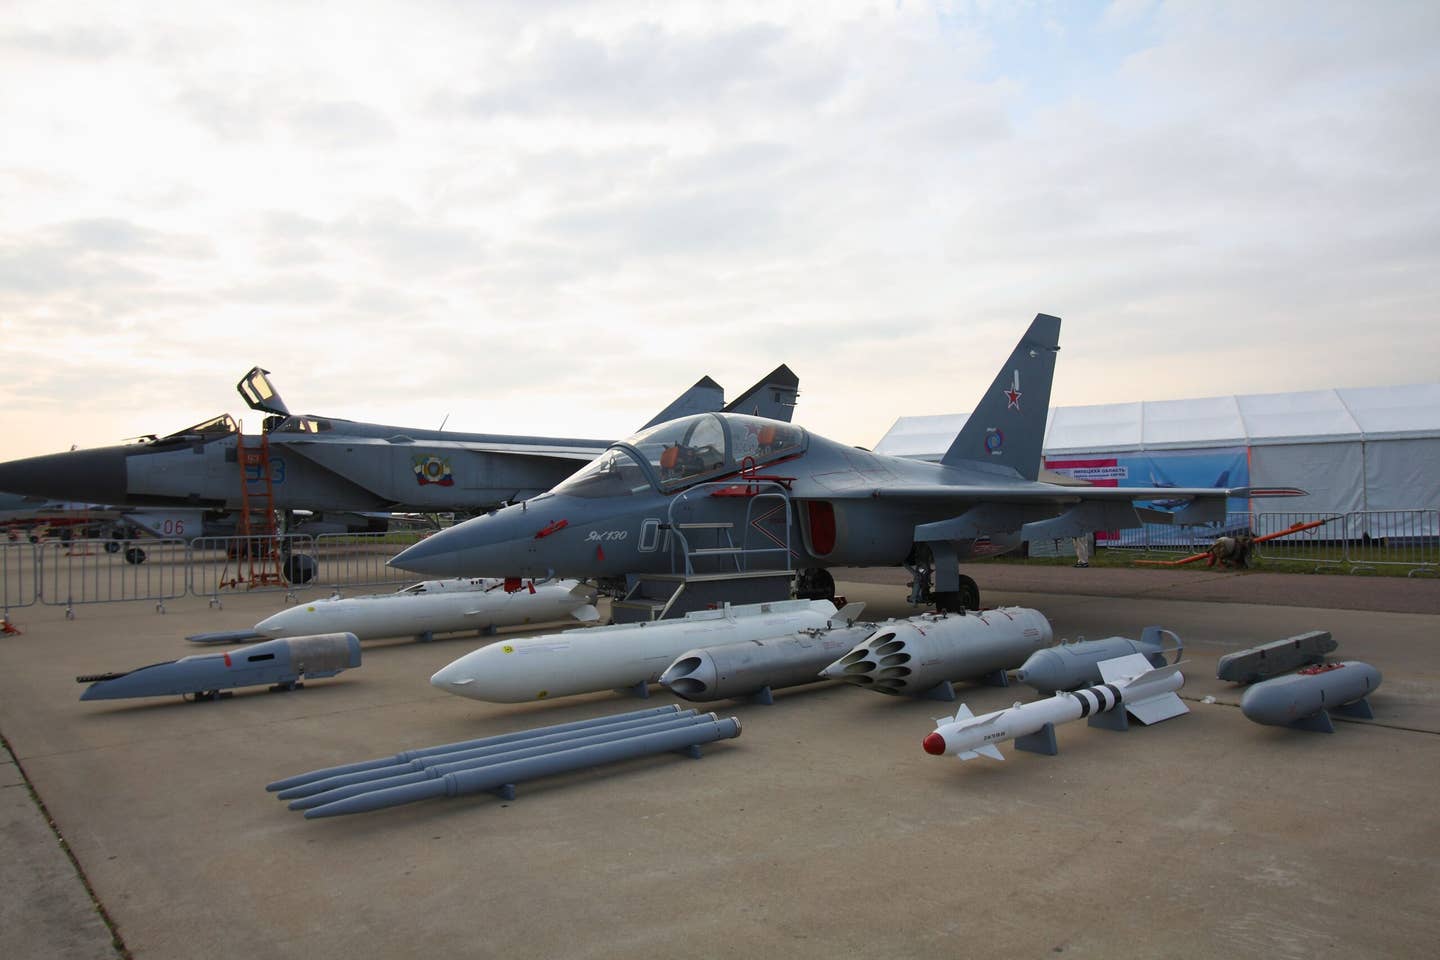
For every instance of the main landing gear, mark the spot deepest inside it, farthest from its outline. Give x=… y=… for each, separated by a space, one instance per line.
x=960 y=593
x=814 y=583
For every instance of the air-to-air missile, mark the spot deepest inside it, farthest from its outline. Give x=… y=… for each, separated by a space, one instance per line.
x=1147 y=692
x=620 y=657
x=278 y=663
x=1274 y=658
x=1301 y=700
x=753 y=668
x=434 y=607
x=1068 y=666
x=922 y=655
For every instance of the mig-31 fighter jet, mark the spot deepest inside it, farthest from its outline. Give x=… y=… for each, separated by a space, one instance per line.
x=328 y=464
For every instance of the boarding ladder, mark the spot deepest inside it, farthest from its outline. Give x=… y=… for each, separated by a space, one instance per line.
x=707 y=565
x=257 y=551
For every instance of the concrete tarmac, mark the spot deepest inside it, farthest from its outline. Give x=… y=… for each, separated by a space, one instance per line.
x=823 y=831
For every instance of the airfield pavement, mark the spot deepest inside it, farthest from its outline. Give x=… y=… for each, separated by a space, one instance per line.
x=822 y=831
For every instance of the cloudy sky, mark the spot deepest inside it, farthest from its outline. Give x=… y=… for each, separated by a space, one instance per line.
x=552 y=217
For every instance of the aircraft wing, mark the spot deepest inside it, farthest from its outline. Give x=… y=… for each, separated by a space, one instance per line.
x=1054 y=493
x=1037 y=511
x=581 y=454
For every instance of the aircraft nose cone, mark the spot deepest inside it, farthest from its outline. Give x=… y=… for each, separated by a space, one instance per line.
x=91 y=476
x=440 y=555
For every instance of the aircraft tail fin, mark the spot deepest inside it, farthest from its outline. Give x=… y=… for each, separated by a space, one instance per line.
x=773 y=397
x=1008 y=425
x=706 y=396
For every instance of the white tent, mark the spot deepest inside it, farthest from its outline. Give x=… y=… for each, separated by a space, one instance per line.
x=1354 y=449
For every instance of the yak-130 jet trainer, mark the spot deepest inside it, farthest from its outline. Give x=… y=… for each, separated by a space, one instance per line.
x=766 y=489
x=328 y=464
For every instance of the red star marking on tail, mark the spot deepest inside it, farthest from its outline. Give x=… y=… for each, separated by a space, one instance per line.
x=1012 y=399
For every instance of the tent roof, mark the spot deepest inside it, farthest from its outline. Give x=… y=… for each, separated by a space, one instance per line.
x=1258 y=419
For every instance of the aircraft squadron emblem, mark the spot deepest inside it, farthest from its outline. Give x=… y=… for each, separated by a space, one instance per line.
x=432 y=469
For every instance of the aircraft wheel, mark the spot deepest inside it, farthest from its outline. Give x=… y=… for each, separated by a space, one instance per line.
x=299 y=568
x=955 y=601
x=134 y=555
x=112 y=546
x=815 y=583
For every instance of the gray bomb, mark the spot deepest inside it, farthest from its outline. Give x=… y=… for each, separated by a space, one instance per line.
x=921 y=655
x=1301 y=699
x=1071 y=666
x=278 y=663
x=754 y=668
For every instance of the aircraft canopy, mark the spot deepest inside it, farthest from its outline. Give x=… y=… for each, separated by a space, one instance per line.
x=685 y=451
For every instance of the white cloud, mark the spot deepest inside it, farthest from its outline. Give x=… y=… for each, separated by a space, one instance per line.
x=554 y=217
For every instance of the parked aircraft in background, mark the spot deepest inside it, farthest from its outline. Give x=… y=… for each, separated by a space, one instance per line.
x=326 y=464
x=637 y=508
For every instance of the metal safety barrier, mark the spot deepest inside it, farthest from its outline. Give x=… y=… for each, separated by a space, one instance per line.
x=1409 y=538
x=76 y=572
x=18 y=587
x=254 y=564
x=1320 y=545
x=358 y=559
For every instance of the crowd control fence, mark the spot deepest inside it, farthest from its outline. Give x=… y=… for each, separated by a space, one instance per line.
x=77 y=572
x=17 y=578
x=358 y=559
x=254 y=564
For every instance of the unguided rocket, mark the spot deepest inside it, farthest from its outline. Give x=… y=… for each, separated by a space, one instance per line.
x=1147 y=692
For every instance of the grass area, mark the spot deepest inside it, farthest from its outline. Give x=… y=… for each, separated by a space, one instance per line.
x=1324 y=562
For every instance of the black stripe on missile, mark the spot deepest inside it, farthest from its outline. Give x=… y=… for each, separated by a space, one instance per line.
x=1085 y=702
x=1114 y=692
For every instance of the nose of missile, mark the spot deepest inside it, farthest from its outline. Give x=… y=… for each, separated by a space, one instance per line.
x=692 y=675
x=934 y=745
x=92 y=476
x=458 y=677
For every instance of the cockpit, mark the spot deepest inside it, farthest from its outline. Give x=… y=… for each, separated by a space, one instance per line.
x=682 y=452
x=302 y=425
x=221 y=426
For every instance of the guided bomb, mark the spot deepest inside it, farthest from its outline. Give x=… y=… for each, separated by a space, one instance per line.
x=624 y=656
x=922 y=655
x=1067 y=666
x=436 y=606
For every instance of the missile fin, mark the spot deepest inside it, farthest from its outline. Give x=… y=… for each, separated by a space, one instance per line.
x=847 y=614
x=1125 y=669
x=1154 y=709
x=961 y=714
x=989 y=750
x=586 y=614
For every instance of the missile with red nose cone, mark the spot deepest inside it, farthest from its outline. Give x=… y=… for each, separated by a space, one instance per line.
x=1146 y=692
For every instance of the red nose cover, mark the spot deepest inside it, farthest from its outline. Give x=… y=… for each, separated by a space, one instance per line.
x=934 y=745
